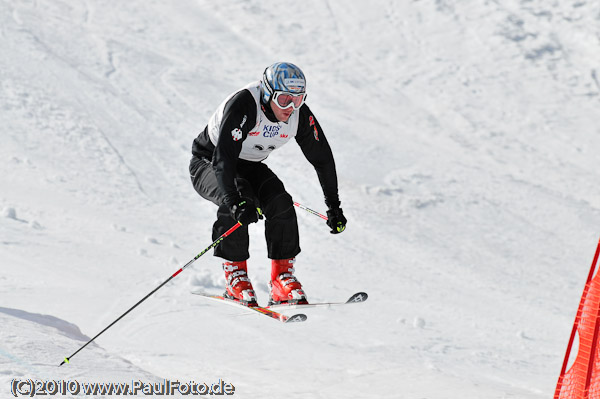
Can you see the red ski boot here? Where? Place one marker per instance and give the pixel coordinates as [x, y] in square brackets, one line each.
[238, 284]
[285, 287]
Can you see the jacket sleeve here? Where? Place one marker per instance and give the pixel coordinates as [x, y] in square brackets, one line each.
[239, 116]
[316, 149]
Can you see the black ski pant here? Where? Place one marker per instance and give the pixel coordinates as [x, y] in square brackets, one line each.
[254, 180]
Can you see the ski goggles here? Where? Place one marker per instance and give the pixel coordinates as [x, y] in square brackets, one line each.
[285, 100]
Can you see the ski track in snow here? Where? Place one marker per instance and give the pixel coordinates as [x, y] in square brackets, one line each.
[465, 137]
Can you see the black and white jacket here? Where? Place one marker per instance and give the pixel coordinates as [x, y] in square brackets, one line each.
[244, 128]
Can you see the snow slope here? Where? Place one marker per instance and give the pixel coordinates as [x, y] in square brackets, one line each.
[466, 138]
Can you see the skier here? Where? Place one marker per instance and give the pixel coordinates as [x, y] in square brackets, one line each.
[227, 169]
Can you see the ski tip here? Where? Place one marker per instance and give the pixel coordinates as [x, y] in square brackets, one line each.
[358, 297]
[296, 318]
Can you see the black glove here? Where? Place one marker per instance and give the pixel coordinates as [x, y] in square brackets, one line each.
[336, 220]
[244, 211]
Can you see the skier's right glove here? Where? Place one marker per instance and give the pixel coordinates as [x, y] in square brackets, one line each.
[336, 220]
[244, 211]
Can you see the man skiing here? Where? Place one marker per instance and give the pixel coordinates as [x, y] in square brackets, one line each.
[227, 169]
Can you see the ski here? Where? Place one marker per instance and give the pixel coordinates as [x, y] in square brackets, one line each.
[356, 298]
[258, 309]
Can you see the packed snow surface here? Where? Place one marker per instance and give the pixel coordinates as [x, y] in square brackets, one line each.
[466, 138]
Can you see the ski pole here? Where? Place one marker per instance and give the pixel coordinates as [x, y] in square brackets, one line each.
[310, 211]
[214, 244]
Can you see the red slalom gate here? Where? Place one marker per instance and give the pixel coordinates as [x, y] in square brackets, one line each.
[582, 380]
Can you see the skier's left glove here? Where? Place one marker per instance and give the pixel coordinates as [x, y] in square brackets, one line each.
[336, 220]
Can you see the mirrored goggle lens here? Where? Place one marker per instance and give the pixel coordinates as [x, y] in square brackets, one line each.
[285, 100]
